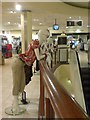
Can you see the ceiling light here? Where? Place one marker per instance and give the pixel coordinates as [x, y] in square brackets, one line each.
[18, 7]
[8, 22]
[69, 81]
[88, 25]
[35, 19]
[70, 17]
[19, 25]
[12, 11]
[40, 23]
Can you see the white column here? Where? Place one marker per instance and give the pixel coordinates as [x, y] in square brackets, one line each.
[26, 29]
[0, 63]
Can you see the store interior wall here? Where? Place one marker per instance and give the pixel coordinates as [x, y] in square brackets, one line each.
[16, 33]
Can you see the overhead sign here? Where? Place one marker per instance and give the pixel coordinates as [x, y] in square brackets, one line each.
[74, 22]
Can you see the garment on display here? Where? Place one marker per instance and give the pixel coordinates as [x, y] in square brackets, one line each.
[8, 52]
[37, 65]
[28, 73]
[16, 45]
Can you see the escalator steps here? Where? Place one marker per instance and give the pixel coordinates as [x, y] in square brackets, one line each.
[85, 77]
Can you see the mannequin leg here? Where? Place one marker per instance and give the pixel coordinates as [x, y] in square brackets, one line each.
[18, 82]
[18, 87]
[15, 106]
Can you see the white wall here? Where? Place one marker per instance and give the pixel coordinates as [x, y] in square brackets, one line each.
[16, 33]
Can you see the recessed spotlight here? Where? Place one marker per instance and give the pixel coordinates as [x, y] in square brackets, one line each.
[19, 25]
[69, 81]
[88, 25]
[8, 22]
[18, 7]
[70, 17]
[35, 19]
[12, 11]
[40, 23]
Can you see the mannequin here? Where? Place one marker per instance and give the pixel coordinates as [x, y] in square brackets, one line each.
[50, 50]
[19, 62]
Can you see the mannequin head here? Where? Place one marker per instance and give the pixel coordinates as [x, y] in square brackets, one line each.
[43, 35]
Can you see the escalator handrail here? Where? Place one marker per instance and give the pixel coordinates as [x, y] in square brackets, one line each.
[63, 104]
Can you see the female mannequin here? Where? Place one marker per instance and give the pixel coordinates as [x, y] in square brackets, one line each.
[18, 66]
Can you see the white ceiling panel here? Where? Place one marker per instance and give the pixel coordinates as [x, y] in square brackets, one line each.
[44, 13]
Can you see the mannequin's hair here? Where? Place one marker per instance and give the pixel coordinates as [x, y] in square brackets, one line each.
[43, 34]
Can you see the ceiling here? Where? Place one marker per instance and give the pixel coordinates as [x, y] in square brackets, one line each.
[79, 4]
[44, 14]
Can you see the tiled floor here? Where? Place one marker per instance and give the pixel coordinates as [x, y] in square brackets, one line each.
[32, 90]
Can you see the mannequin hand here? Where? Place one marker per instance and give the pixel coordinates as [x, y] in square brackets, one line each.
[45, 56]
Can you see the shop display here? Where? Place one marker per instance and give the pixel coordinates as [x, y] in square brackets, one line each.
[62, 40]
[18, 69]
[16, 45]
[6, 47]
[8, 51]
[62, 47]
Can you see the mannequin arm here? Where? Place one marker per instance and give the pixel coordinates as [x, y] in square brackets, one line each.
[22, 56]
[39, 57]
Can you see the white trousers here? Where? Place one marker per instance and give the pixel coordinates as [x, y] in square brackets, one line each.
[18, 76]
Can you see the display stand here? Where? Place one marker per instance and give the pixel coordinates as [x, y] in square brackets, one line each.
[18, 110]
[21, 101]
[63, 48]
[63, 53]
[9, 111]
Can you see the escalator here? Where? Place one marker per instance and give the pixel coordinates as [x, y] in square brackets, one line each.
[85, 79]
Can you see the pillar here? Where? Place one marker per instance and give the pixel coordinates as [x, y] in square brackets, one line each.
[26, 28]
[0, 32]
